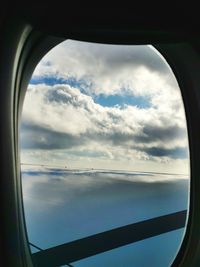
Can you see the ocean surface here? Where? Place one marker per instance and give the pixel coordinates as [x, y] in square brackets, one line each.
[63, 205]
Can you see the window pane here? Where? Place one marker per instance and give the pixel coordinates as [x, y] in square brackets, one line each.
[103, 144]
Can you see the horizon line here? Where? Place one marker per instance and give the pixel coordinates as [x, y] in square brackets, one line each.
[66, 168]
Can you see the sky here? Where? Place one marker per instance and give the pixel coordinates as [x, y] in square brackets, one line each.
[104, 107]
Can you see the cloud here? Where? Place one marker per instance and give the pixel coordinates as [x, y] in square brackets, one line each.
[175, 153]
[151, 133]
[108, 69]
[65, 118]
[37, 137]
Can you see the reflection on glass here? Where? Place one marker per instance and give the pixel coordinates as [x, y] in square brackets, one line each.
[103, 145]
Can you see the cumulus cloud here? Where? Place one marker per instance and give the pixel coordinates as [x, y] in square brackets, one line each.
[72, 119]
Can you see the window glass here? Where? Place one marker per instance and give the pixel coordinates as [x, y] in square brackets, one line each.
[104, 145]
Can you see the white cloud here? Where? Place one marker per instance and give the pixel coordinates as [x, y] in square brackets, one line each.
[65, 109]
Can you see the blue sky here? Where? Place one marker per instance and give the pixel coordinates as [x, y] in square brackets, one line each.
[122, 100]
[51, 80]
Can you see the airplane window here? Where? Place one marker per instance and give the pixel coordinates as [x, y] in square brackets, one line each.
[104, 157]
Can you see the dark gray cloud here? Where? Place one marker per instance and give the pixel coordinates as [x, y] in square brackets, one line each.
[112, 138]
[36, 137]
[149, 134]
[175, 153]
[139, 56]
[152, 133]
